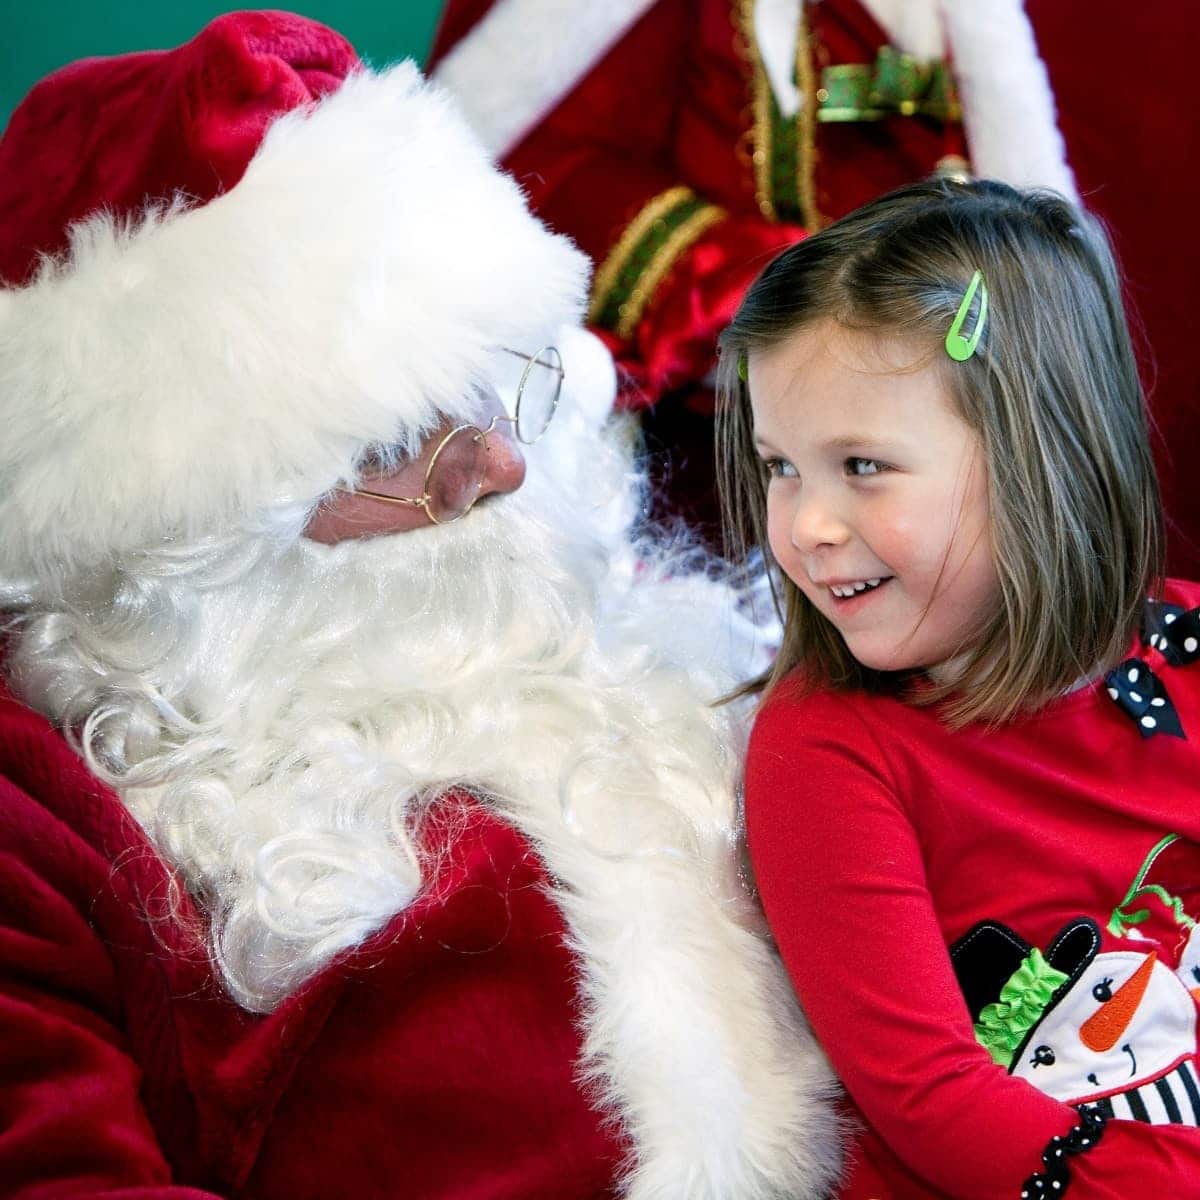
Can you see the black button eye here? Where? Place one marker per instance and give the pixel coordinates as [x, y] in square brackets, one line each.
[1043, 1056]
[1103, 991]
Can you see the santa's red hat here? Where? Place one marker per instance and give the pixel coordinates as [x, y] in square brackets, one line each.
[228, 266]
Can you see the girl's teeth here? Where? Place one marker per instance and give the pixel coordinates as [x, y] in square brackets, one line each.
[850, 589]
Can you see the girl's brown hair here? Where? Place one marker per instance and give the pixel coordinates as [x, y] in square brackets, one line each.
[1052, 392]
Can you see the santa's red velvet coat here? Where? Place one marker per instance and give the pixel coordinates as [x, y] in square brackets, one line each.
[438, 1060]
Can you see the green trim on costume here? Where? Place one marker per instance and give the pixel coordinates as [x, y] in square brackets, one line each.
[1004, 1024]
[845, 94]
[785, 166]
[611, 306]
[896, 84]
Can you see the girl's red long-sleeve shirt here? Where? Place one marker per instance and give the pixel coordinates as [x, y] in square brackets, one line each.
[879, 839]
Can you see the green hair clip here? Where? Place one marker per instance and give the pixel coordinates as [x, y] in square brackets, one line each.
[743, 368]
[958, 347]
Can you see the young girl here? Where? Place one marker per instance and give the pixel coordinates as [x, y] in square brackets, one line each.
[972, 794]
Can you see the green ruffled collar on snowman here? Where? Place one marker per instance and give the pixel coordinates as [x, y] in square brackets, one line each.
[1004, 1024]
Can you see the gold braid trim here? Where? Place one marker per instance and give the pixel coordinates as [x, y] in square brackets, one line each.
[618, 257]
[661, 263]
[806, 128]
[760, 88]
[662, 229]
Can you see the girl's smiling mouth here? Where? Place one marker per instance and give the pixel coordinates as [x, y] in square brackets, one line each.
[852, 593]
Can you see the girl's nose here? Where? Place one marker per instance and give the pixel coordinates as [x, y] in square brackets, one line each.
[815, 524]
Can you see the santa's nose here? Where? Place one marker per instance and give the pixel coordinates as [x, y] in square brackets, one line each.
[504, 470]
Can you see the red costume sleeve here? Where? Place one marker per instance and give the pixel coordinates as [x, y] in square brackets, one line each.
[842, 879]
[71, 1120]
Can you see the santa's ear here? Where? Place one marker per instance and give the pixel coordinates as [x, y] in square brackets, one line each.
[590, 377]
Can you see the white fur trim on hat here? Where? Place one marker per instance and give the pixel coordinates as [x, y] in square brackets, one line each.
[179, 373]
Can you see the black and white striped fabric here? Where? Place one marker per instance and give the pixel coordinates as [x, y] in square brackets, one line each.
[1173, 1099]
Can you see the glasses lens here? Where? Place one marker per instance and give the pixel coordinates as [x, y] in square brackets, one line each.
[456, 474]
[538, 397]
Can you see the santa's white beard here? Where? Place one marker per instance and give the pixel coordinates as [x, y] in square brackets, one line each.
[279, 718]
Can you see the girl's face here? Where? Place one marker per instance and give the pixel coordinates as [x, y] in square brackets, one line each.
[877, 506]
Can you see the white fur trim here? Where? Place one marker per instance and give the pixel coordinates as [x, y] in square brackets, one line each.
[177, 374]
[914, 26]
[1008, 106]
[524, 56]
[776, 28]
[591, 379]
[693, 1033]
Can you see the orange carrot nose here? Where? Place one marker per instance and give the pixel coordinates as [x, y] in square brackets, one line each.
[1102, 1029]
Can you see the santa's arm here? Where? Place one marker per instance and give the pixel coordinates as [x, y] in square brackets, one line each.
[71, 1119]
[841, 877]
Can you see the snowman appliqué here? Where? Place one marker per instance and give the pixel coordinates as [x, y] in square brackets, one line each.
[1116, 1030]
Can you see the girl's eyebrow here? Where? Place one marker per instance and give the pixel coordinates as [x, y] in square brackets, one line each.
[848, 441]
[841, 441]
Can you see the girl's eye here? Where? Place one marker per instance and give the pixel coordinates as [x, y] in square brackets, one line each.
[863, 466]
[779, 468]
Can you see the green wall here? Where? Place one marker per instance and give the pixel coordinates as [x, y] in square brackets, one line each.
[40, 37]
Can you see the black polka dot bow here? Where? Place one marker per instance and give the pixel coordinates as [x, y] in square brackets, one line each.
[1140, 694]
[1174, 632]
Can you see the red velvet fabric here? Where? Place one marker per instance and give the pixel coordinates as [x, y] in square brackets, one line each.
[879, 838]
[438, 1060]
[119, 133]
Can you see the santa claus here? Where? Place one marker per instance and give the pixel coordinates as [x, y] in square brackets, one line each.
[367, 827]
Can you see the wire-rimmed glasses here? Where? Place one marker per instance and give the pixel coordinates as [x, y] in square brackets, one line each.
[457, 468]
